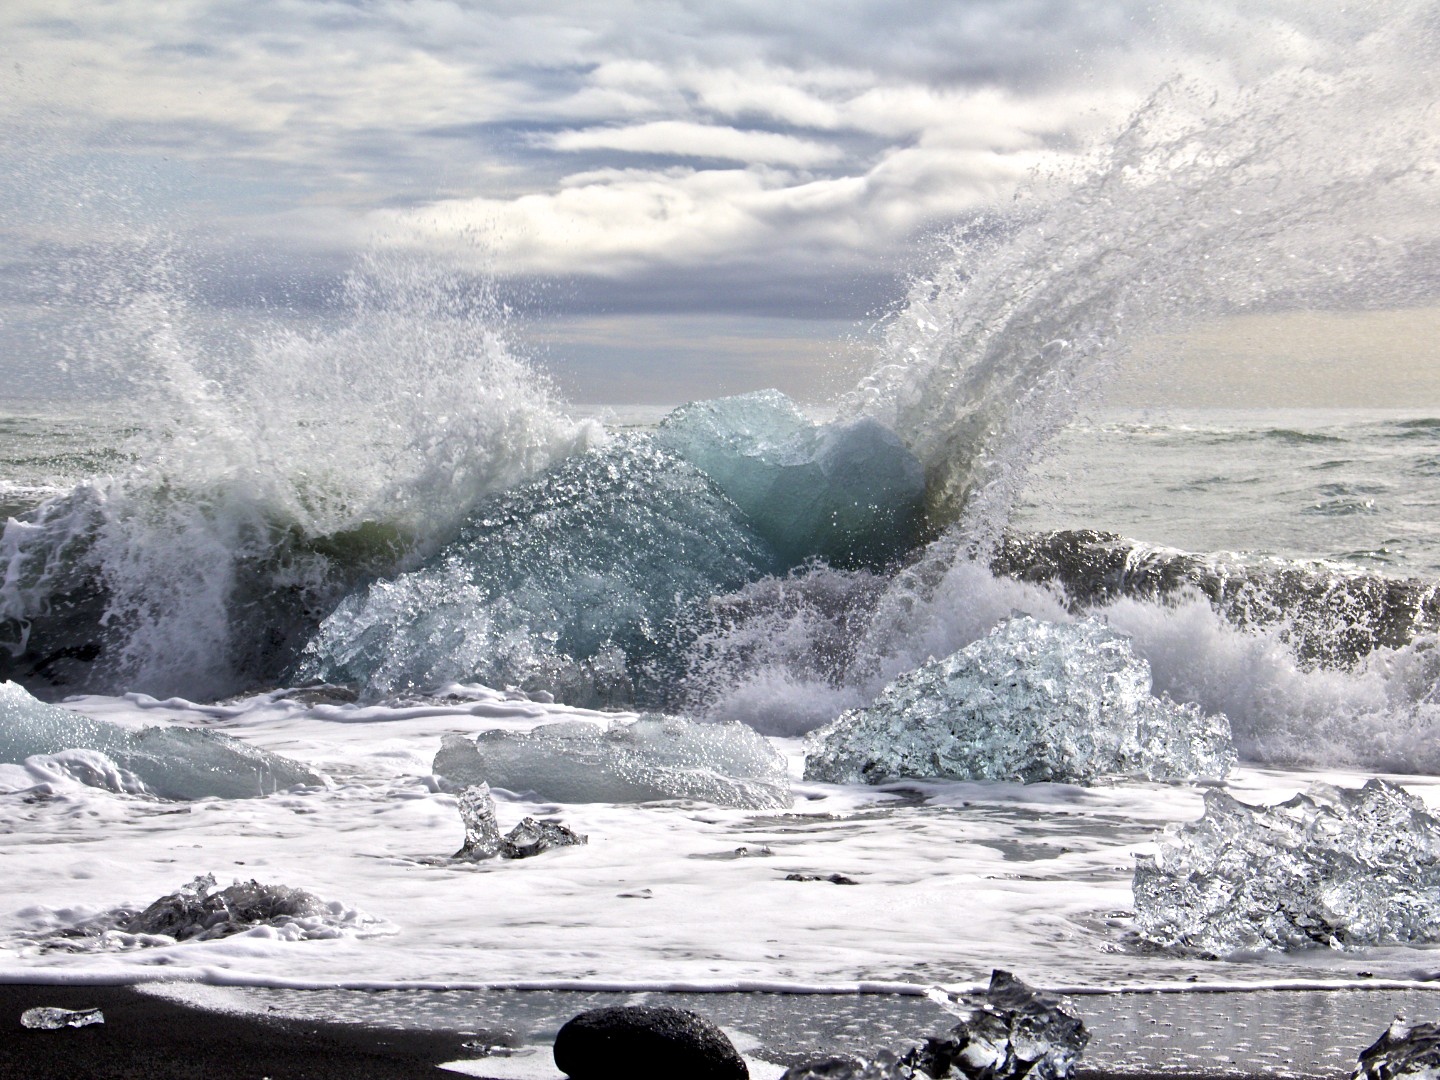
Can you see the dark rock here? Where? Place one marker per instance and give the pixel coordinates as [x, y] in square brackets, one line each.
[834, 879]
[1404, 1050]
[646, 1042]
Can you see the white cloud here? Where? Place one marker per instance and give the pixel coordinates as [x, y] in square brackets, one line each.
[679, 138]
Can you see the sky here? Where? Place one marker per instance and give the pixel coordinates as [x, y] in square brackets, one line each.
[675, 199]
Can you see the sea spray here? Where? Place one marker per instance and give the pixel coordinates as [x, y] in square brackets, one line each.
[270, 476]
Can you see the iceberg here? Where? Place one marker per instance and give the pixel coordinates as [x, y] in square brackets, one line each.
[168, 762]
[846, 492]
[643, 760]
[1334, 867]
[1033, 701]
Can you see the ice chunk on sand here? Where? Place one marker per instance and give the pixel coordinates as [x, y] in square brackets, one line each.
[171, 762]
[1405, 1050]
[47, 1018]
[1033, 701]
[482, 832]
[1009, 1031]
[653, 757]
[848, 492]
[1332, 866]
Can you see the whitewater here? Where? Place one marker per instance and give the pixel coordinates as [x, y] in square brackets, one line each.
[348, 545]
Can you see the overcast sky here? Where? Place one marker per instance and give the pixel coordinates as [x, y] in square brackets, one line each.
[685, 198]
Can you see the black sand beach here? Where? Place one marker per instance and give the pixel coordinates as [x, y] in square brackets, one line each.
[150, 1038]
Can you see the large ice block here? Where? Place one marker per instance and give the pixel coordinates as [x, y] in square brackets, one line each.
[1404, 1051]
[202, 911]
[169, 762]
[1033, 701]
[847, 492]
[1331, 867]
[651, 758]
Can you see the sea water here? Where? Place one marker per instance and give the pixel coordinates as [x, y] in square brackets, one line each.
[347, 543]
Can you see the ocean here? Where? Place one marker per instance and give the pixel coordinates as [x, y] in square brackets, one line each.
[269, 609]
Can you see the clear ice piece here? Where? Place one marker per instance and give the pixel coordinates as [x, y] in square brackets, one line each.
[848, 491]
[1336, 867]
[170, 762]
[531, 837]
[1009, 1031]
[642, 760]
[1404, 1050]
[482, 831]
[47, 1018]
[201, 911]
[1033, 701]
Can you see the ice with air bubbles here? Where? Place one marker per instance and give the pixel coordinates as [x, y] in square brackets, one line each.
[1033, 701]
[1332, 867]
[642, 760]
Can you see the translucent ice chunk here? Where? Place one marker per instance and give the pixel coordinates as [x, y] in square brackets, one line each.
[531, 837]
[1405, 1050]
[200, 910]
[1332, 866]
[171, 762]
[1009, 1031]
[46, 1018]
[482, 832]
[850, 493]
[1033, 701]
[654, 757]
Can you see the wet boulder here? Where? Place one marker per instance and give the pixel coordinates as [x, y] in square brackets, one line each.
[646, 1042]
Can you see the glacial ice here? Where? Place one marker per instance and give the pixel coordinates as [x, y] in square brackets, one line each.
[1033, 701]
[1009, 1031]
[168, 762]
[579, 583]
[202, 911]
[847, 492]
[49, 1018]
[1404, 1050]
[1335, 867]
[651, 758]
[482, 831]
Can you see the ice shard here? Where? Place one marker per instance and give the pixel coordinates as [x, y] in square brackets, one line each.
[1009, 1031]
[642, 760]
[48, 1018]
[1034, 701]
[169, 762]
[1404, 1050]
[482, 832]
[532, 837]
[1331, 867]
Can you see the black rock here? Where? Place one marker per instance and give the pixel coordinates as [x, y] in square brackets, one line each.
[646, 1042]
[1404, 1050]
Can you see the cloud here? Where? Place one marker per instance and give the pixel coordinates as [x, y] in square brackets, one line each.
[678, 138]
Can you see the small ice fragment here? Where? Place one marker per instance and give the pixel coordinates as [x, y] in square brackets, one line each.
[650, 758]
[482, 832]
[201, 911]
[1404, 1050]
[1334, 867]
[46, 1018]
[531, 837]
[1033, 701]
[1009, 1031]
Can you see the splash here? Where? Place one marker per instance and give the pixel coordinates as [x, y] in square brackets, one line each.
[273, 469]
